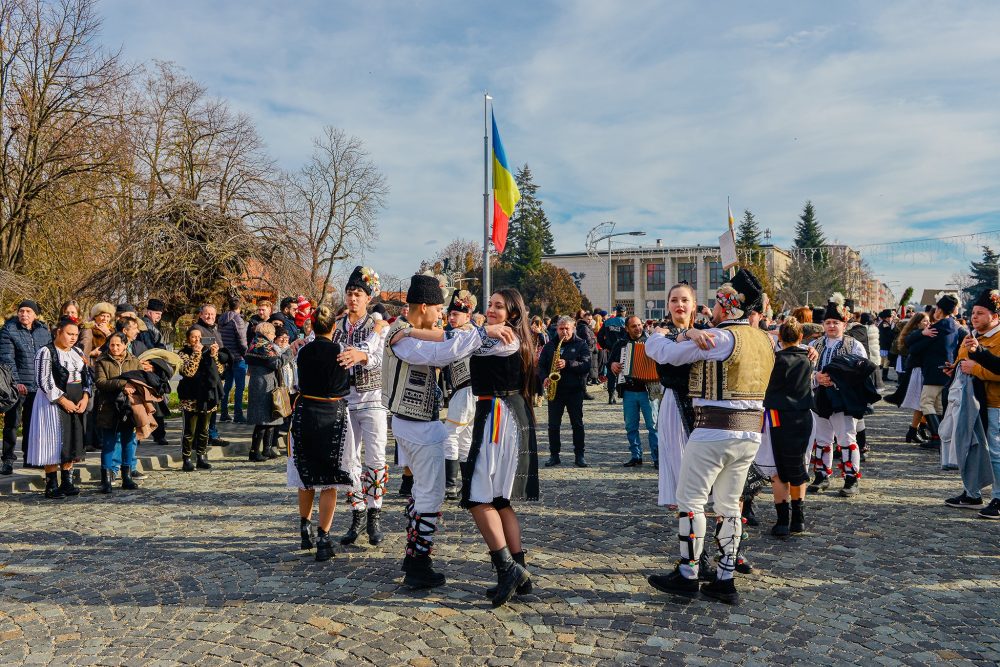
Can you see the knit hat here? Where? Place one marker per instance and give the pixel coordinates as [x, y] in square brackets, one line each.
[740, 295]
[425, 289]
[365, 279]
[102, 307]
[156, 306]
[835, 309]
[462, 301]
[29, 303]
[990, 300]
[948, 304]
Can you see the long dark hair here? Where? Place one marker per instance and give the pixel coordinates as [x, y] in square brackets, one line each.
[517, 319]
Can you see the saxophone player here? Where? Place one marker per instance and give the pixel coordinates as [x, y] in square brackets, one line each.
[570, 372]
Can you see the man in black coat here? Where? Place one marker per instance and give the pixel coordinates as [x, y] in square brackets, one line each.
[573, 366]
[585, 332]
[210, 336]
[20, 339]
[886, 334]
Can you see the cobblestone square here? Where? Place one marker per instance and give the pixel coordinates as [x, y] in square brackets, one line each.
[202, 568]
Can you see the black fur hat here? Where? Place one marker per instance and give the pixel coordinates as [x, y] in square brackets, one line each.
[835, 309]
[989, 299]
[425, 289]
[948, 304]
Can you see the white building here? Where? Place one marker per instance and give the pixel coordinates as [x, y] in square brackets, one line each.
[642, 275]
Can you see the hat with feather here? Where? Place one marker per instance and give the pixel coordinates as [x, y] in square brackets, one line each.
[835, 308]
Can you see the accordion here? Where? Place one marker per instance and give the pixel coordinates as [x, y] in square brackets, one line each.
[637, 365]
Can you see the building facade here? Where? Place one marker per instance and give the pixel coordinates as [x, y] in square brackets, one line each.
[641, 276]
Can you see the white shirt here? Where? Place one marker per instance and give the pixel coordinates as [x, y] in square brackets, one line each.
[439, 354]
[662, 350]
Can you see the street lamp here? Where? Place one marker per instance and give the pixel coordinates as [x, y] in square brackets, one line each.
[609, 237]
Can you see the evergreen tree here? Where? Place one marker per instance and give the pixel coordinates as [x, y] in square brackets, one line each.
[530, 233]
[748, 234]
[809, 234]
[983, 274]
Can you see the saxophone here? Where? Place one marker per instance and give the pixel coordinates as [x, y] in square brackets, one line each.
[554, 374]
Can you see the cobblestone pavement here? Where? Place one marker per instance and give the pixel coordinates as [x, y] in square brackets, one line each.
[203, 568]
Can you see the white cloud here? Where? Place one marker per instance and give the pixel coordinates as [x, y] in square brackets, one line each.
[645, 113]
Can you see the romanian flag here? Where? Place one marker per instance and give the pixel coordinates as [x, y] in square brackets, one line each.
[505, 193]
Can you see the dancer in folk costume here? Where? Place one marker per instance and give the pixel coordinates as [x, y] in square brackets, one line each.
[832, 422]
[503, 460]
[321, 440]
[731, 365]
[462, 402]
[363, 337]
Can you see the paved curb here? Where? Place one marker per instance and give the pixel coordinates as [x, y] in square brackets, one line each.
[148, 457]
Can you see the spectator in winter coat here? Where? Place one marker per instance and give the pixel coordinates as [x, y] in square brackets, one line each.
[118, 440]
[574, 367]
[152, 337]
[20, 339]
[289, 307]
[233, 330]
[937, 347]
[210, 336]
[585, 333]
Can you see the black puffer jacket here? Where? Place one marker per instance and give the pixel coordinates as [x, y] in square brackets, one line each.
[18, 347]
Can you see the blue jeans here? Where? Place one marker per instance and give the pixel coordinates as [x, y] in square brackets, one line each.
[235, 376]
[634, 402]
[993, 444]
[117, 448]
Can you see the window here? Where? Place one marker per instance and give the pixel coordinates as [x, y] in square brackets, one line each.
[626, 278]
[716, 276]
[656, 309]
[688, 272]
[656, 277]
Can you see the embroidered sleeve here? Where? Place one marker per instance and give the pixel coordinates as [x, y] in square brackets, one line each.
[43, 376]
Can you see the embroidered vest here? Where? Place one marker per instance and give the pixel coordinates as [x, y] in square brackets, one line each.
[741, 377]
[460, 372]
[408, 391]
[362, 379]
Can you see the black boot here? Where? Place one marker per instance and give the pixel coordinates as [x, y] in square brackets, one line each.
[885, 373]
[913, 436]
[743, 564]
[271, 451]
[933, 422]
[187, 466]
[308, 533]
[255, 441]
[923, 432]
[451, 479]
[798, 522]
[510, 575]
[52, 488]
[203, 463]
[324, 546]
[420, 572]
[782, 527]
[723, 590]
[67, 486]
[748, 513]
[406, 485]
[374, 526]
[820, 483]
[127, 482]
[707, 570]
[863, 444]
[105, 480]
[358, 525]
[674, 583]
[524, 588]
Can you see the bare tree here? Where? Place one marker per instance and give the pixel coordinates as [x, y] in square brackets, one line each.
[57, 109]
[331, 206]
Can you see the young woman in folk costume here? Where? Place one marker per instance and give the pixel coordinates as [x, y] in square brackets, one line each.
[503, 460]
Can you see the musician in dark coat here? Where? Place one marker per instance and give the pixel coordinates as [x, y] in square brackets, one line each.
[574, 366]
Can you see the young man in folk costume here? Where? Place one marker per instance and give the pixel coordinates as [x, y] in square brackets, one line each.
[411, 393]
[363, 336]
[731, 365]
[462, 402]
[834, 418]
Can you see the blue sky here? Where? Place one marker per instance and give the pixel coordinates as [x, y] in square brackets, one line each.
[885, 115]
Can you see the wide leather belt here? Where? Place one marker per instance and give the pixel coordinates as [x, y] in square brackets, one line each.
[724, 419]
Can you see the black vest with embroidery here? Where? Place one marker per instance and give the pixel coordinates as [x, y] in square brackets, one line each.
[674, 377]
[492, 376]
[362, 379]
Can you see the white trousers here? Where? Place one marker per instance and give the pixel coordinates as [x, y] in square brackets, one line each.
[845, 429]
[370, 429]
[461, 415]
[427, 464]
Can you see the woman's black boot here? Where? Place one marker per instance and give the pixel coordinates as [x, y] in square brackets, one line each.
[308, 532]
[798, 522]
[67, 486]
[127, 481]
[524, 588]
[782, 527]
[324, 546]
[913, 436]
[510, 575]
[255, 440]
[52, 489]
[105, 480]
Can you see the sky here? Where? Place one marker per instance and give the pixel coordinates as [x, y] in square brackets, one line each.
[648, 114]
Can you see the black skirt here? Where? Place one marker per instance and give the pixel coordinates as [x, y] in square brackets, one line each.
[319, 432]
[72, 425]
[526, 478]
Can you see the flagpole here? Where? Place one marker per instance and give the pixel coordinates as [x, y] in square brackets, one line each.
[486, 200]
